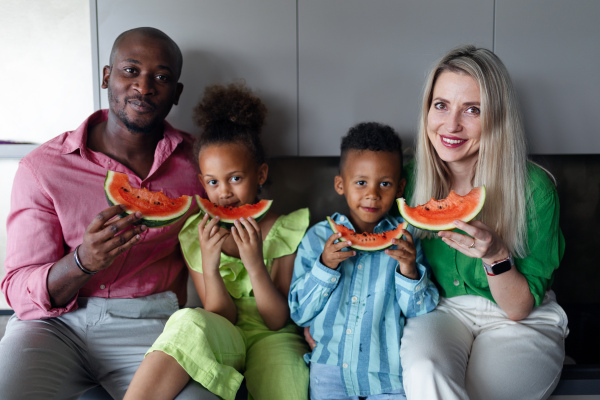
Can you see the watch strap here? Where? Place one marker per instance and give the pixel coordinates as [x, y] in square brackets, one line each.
[498, 267]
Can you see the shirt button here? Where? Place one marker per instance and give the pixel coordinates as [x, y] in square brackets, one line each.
[102, 287]
[354, 299]
[348, 331]
[325, 294]
[418, 287]
[333, 279]
[345, 365]
[456, 282]
[342, 218]
[419, 302]
[359, 266]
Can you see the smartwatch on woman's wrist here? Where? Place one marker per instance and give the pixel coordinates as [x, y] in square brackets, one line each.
[498, 267]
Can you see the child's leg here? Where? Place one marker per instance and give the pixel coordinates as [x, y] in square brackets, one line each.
[159, 377]
[275, 368]
[197, 344]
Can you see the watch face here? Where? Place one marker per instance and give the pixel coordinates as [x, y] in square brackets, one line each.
[501, 267]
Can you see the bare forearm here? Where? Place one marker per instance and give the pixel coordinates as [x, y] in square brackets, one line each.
[512, 294]
[64, 281]
[217, 298]
[272, 304]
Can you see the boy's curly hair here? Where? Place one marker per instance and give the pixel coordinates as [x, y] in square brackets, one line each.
[372, 136]
[230, 114]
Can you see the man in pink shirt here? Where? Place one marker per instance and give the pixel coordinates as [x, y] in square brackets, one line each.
[92, 292]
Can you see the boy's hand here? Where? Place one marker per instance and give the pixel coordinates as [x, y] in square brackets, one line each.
[406, 255]
[211, 243]
[332, 255]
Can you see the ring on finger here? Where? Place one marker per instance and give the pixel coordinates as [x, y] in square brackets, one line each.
[472, 246]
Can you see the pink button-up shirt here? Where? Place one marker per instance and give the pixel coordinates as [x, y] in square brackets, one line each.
[57, 192]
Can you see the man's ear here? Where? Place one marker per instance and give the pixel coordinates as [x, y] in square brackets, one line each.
[178, 92]
[401, 186]
[263, 172]
[338, 184]
[105, 76]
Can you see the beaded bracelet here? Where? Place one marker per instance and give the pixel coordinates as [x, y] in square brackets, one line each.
[81, 267]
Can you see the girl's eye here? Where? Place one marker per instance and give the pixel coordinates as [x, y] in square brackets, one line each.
[473, 110]
[212, 182]
[235, 179]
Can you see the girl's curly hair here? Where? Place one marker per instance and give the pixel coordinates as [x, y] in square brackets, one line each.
[231, 114]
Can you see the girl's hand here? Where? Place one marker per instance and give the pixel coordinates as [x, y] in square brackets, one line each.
[248, 237]
[332, 255]
[309, 339]
[406, 255]
[211, 243]
[483, 241]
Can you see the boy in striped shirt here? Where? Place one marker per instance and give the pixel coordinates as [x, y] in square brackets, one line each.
[356, 302]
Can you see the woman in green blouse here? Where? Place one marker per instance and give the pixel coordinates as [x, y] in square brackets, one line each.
[498, 332]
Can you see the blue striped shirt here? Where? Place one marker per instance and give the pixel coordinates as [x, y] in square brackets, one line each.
[356, 312]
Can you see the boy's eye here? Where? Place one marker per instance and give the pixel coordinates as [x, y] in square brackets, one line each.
[361, 183]
[385, 184]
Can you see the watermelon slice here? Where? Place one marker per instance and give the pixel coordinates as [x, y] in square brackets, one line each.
[367, 241]
[438, 215]
[157, 209]
[228, 215]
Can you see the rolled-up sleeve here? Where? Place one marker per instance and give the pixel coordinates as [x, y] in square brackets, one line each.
[32, 225]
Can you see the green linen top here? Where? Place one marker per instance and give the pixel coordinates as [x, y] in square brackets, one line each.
[283, 239]
[457, 274]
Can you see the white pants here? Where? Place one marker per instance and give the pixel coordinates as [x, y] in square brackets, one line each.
[468, 349]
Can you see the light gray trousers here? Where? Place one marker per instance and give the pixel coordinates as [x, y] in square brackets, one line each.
[101, 343]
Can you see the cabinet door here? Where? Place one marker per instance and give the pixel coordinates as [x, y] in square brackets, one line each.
[221, 40]
[551, 51]
[367, 61]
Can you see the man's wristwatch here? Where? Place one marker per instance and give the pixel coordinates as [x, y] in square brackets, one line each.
[498, 267]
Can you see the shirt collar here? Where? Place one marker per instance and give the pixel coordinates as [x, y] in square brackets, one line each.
[387, 223]
[77, 139]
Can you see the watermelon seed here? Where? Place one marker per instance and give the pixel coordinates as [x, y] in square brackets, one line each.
[427, 208]
[125, 190]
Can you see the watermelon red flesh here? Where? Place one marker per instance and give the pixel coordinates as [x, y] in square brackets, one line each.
[439, 215]
[367, 241]
[227, 215]
[157, 209]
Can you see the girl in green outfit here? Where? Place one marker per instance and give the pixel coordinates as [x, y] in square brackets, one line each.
[242, 275]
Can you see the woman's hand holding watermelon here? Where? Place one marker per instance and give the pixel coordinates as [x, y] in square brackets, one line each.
[483, 241]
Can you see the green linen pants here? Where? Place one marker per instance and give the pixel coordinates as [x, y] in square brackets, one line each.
[216, 353]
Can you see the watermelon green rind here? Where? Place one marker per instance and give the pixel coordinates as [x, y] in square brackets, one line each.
[149, 221]
[471, 204]
[348, 233]
[227, 215]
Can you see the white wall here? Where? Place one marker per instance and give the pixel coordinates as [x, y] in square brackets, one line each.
[46, 76]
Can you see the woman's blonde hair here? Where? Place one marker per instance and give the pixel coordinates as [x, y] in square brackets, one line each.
[502, 160]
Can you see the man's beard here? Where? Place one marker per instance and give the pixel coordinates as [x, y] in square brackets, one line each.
[130, 125]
